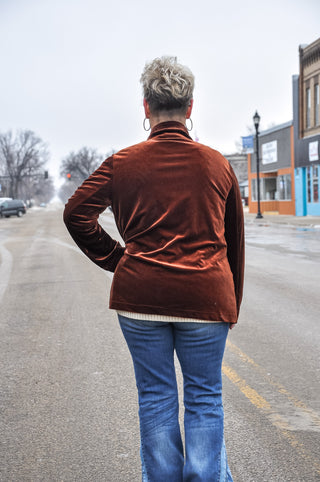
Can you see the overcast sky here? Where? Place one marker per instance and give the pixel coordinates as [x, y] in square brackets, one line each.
[70, 69]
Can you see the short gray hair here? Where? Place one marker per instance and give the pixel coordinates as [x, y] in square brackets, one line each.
[167, 85]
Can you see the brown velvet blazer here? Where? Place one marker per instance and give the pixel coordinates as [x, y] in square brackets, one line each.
[178, 209]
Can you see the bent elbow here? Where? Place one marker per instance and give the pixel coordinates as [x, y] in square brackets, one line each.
[68, 215]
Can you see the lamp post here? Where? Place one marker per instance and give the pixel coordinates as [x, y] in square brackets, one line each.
[256, 121]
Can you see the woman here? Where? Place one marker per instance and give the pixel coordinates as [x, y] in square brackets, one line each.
[178, 281]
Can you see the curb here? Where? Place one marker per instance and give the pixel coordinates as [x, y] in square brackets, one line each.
[311, 222]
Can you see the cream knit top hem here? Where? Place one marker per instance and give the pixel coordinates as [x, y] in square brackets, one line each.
[164, 318]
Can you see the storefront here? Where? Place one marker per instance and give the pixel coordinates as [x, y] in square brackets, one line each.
[276, 155]
[307, 157]
[306, 121]
[307, 175]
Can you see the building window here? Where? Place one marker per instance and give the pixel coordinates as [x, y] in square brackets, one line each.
[315, 183]
[254, 195]
[268, 189]
[284, 187]
[313, 173]
[316, 104]
[308, 107]
[309, 184]
[273, 188]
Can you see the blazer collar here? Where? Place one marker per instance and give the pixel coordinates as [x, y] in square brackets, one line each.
[169, 126]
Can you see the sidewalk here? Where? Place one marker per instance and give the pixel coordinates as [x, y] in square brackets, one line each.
[303, 221]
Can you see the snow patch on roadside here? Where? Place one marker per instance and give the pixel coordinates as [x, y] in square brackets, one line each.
[5, 269]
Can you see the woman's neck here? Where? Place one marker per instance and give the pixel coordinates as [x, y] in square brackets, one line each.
[165, 117]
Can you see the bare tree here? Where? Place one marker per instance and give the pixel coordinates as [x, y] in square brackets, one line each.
[21, 157]
[79, 165]
[37, 190]
[66, 190]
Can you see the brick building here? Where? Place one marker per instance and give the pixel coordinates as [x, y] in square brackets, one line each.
[306, 117]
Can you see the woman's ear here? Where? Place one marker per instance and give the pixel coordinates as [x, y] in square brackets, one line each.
[188, 114]
[146, 108]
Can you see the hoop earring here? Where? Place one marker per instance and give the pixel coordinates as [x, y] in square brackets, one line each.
[191, 124]
[144, 124]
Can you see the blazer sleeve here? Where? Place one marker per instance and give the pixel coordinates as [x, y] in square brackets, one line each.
[234, 235]
[81, 215]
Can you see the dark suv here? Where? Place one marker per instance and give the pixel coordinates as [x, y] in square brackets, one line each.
[13, 207]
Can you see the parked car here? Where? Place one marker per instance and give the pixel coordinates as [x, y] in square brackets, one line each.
[3, 199]
[12, 207]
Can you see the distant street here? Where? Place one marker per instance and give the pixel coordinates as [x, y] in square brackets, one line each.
[68, 399]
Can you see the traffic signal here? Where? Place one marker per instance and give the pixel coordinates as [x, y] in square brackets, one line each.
[69, 176]
[46, 174]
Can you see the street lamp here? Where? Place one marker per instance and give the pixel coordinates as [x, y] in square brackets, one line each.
[256, 121]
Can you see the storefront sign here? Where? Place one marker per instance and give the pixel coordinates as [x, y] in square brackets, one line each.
[269, 152]
[313, 151]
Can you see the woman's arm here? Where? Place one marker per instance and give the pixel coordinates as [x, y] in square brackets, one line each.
[81, 218]
[234, 235]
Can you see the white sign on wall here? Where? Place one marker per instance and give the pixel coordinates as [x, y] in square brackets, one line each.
[313, 151]
[269, 152]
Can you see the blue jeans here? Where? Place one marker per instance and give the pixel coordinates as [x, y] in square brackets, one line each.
[199, 348]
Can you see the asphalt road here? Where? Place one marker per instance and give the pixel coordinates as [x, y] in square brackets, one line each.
[68, 399]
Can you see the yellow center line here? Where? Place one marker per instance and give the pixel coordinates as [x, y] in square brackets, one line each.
[249, 392]
[280, 388]
[261, 403]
